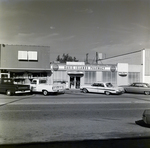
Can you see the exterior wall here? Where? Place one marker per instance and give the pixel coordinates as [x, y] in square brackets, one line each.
[99, 76]
[139, 64]
[146, 67]
[9, 57]
[122, 74]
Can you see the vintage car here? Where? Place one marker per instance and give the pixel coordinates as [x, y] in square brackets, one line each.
[146, 116]
[102, 87]
[8, 87]
[137, 87]
[42, 86]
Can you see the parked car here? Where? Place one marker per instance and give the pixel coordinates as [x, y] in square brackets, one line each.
[102, 87]
[64, 83]
[137, 87]
[146, 116]
[41, 85]
[8, 87]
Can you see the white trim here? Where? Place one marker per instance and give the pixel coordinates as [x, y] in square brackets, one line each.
[143, 73]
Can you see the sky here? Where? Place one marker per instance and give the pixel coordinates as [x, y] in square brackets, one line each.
[77, 27]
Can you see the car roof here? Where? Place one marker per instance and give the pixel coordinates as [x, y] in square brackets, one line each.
[102, 82]
[139, 83]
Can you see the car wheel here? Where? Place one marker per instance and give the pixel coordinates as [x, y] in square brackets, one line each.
[8, 93]
[107, 92]
[45, 92]
[146, 92]
[84, 90]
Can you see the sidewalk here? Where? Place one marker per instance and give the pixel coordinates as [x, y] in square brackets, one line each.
[70, 91]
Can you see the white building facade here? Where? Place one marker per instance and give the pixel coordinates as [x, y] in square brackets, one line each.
[119, 70]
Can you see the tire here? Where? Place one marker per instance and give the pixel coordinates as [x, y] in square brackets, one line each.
[45, 92]
[8, 93]
[84, 90]
[107, 92]
[146, 92]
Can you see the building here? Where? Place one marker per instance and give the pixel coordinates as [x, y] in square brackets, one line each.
[119, 70]
[24, 62]
[137, 66]
[79, 73]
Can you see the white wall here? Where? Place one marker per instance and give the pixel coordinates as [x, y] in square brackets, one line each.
[147, 79]
[99, 76]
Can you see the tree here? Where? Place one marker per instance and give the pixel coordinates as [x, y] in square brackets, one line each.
[66, 58]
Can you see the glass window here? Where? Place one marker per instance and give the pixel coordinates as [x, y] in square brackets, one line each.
[133, 77]
[42, 81]
[34, 82]
[109, 85]
[101, 85]
[90, 77]
[95, 84]
[109, 76]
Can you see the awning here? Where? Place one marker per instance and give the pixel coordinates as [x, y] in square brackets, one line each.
[75, 72]
[27, 70]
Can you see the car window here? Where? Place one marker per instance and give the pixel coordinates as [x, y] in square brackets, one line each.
[109, 85]
[42, 81]
[33, 82]
[132, 84]
[100, 85]
[145, 85]
[137, 85]
[95, 84]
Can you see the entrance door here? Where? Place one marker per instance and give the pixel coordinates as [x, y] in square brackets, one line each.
[74, 82]
[77, 82]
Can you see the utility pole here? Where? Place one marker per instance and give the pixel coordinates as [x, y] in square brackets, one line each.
[87, 58]
[96, 57]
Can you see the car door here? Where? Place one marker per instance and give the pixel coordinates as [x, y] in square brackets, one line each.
[133, 88]
[93, 88]
[34, 85]
[143, 88]
[101, 88]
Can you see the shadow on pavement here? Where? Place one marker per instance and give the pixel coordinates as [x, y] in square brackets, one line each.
[110, 143]
[141, 123]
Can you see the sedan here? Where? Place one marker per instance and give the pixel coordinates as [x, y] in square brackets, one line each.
[137, 88]
[102, 87]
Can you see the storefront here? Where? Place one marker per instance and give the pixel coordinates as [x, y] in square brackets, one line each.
[123, 70]
[76, 74]
[24, 62]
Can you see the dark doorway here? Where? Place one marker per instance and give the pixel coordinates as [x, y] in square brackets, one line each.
[77, 82]
[74, 82]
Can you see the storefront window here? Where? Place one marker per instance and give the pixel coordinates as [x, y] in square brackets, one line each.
[90, 77]
[60, 75]
[133, 77]
[110, 77]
